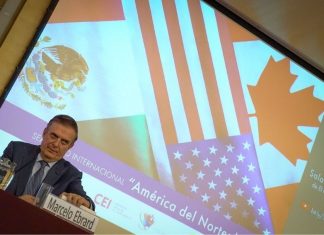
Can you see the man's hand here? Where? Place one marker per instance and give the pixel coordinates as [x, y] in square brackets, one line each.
[76, 199]
[28, 198]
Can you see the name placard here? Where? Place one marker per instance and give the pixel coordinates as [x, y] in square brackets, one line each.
[70, 212]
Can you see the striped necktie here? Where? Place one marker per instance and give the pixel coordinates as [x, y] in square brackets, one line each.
[36, 179]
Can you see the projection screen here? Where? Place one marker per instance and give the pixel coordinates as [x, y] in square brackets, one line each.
[188, 123]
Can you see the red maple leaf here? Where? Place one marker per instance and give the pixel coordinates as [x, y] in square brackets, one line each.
[280, 112]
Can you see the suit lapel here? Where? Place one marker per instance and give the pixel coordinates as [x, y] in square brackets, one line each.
[55, 172]
[26, 169]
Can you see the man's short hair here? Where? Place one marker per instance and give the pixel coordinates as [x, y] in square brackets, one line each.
[65, 120]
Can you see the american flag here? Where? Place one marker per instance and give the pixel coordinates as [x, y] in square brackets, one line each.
[223, 174]
[201, 108]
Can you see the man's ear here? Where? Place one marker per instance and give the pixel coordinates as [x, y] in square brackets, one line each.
[72, 144]
[44, 132]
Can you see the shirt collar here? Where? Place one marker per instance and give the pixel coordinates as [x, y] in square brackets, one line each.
[39, 158]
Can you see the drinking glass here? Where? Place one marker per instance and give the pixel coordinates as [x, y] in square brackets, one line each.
[42, 193]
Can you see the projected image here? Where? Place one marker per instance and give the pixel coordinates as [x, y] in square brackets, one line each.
[185, 117]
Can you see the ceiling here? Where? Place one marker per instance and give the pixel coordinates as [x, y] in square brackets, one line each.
[296, 24]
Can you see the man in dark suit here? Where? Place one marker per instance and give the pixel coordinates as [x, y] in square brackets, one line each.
[59, 136]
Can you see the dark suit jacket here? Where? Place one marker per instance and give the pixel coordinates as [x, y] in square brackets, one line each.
[63, 176]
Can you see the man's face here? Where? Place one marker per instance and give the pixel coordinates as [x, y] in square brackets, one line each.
[57, 140]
